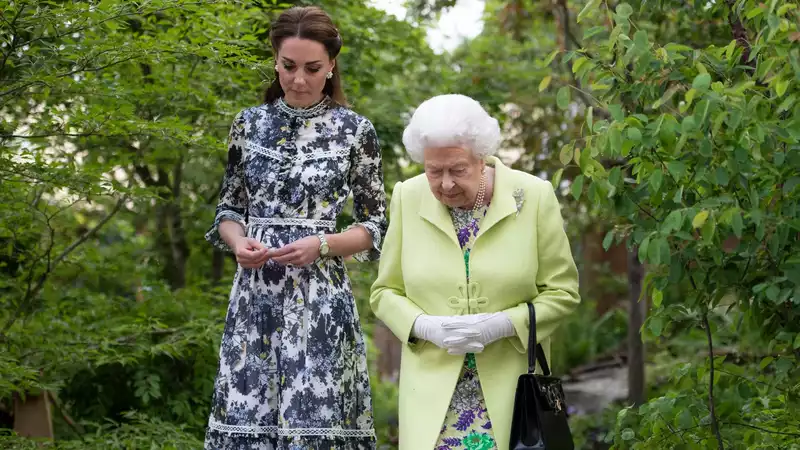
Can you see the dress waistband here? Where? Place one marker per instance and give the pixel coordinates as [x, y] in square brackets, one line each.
[291, 222]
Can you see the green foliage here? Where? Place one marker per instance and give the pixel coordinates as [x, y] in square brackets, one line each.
[113, 120]
[696, 152]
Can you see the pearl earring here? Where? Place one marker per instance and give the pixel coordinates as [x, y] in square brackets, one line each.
[276, 67]
[329, 75]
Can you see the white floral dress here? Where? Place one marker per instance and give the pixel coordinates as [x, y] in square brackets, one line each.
[293, 366]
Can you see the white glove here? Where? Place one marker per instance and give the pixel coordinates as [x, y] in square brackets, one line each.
[491, 327]
[432, 329]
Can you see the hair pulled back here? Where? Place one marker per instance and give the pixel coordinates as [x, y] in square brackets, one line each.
[312, 23]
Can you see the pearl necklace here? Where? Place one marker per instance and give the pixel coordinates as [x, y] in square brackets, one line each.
[481, 194]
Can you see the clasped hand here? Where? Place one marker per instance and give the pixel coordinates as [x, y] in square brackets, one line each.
[252, 254]
[463, 334]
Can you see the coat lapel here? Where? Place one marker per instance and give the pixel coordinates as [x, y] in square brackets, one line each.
[437, 214]
[503, 203]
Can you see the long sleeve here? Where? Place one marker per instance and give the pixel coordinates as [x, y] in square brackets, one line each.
[388, 297]
[369, 197]
[556, 279]
[232, 203]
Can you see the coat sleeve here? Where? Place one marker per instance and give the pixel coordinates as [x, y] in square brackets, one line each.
[233, 201]
[369, 197]
[556, 279]
[388, 297]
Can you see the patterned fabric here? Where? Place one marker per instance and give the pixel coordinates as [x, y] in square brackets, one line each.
[467, 425]
[293, 366]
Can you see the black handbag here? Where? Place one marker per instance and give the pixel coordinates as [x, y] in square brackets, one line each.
[540, 412]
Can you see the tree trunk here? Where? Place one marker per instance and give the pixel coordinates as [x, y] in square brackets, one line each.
[217, 265]
[32, 416]
[636, 313]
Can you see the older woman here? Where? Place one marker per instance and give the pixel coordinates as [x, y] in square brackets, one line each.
[470, 243]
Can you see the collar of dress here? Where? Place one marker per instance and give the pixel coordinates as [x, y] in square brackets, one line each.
[315, 110]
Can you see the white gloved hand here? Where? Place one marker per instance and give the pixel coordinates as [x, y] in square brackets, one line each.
[432, 329]
[491, 327]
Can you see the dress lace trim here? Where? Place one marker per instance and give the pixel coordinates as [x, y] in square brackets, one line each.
[296, 159]
[291, 432]
[306, 113]
[292, 221]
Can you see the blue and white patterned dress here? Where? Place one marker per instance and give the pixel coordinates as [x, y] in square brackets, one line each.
[293, 365]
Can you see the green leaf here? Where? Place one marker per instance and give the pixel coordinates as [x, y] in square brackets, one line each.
[627, 434]
[774, 22]
[796, 344]
[615, 139]
[551, 57]
[673, 221]
[702, 82]
[765, 362]
[608, 240]
[688, 125]
[658, 297]
[656, 178]
[634, 134]
[736, 224]
[588, 9]
[656, 323]
[556, 181]
[700, 219]
[577, 187]
[616, 112]
[781, 86]
[677, 169]
[624, 10]
[544, 83]
[786, 8]
[594, 31]
[565, 155]
[754, 13]
[590, 118]
[708, 229]
[643, 249]
[730, 49]
[666, 97]
[772, 292]
[722, 176]
[790, 184]
[640, 40]
[563, 97]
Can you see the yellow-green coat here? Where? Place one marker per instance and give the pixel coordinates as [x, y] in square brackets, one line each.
[520, 255]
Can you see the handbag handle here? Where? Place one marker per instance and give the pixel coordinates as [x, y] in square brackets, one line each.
[535, 350]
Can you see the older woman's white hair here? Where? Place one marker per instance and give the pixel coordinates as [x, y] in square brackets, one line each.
[451, 120]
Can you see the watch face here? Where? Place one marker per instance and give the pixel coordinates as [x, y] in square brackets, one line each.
[324, 249]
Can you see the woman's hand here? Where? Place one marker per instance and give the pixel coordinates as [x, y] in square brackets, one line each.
[250, 253]
[299, 253]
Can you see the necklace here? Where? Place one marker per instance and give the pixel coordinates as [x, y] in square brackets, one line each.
[480, 196]
[473, 233]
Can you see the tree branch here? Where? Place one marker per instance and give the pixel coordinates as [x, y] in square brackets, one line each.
[563, 17]
[33, 291]
[714, 420]
[76, 427]
[740, 34]
[14, 38]
[783, 433]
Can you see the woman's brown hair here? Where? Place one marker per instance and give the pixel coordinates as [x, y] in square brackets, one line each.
[312, 23]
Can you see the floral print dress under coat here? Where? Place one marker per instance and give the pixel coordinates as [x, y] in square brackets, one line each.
[293, 366]
[467, 425]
